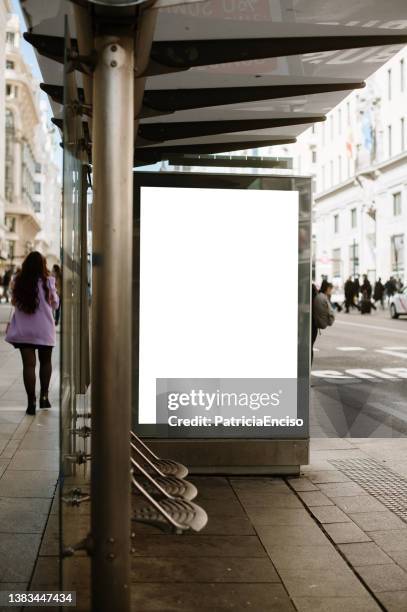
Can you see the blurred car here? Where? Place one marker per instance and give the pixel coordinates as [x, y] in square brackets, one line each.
[398, 304]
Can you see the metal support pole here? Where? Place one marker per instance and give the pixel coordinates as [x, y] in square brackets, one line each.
[113, 107]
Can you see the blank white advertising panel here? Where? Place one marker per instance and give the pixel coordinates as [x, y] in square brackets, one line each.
[218, 308]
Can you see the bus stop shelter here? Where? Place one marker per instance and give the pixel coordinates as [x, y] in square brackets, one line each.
[134, 83]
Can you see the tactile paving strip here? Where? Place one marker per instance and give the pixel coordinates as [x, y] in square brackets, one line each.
[386, 486]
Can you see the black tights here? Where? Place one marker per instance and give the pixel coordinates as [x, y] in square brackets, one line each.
[29, 362]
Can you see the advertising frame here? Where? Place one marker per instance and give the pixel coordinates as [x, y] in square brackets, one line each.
[286, 449]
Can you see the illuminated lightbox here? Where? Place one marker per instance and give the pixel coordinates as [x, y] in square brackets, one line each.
[218, 311]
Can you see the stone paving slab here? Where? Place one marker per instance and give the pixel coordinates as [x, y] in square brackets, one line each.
[384, 577]
[336, 604]
[203, 597]
[395, 601]
[329, 514]
[345, 533]
[210, 569]
[364, 553]
[321, 583]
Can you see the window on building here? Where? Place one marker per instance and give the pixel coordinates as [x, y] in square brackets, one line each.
[397, 204]
[397, 254]
[336, 262]
[402, 135]
[389, 141]
[9, 65]
[314, 156]
[27, 174]
[37, 168]
[37, 188]
[10, 223]
[336, 223]
[402, 74]
[353, 218]
[313, 129]
[15, 91]
[37, 206]
[339, 121]
[9, 156]
[354, 258]
[10, 249]
[8, 90]
[389, 84]
[10, 38]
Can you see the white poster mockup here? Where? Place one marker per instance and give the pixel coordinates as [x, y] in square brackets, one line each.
[218, 299]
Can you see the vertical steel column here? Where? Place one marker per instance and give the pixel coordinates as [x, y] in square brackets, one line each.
[113, 92]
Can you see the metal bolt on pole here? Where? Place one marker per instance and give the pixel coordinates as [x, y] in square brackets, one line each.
[113, 120]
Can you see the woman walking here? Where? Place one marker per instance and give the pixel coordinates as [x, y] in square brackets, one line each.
[32, 326]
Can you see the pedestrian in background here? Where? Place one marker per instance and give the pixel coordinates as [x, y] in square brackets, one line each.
[32, 327]
[56, 273]
[356, 287]
[390, 287]
[314, 326]
[366, 303]
[350, 293]
[322, 312]
[378, 293]
[366, 287]
[6, 282]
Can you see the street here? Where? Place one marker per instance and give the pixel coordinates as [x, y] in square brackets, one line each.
[359, 377]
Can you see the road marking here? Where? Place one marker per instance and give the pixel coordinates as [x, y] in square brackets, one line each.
[367, 373]
[379, 327]
[392, 353]
[395, 348]
[329, 374]
[350, 348]
[400, 372]
[363, 374]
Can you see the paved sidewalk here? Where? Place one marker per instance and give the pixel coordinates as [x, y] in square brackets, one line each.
[318, 543]
[28, 470]
[333, 540]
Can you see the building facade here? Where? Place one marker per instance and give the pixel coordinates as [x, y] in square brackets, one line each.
[47, 201]
[5, 8]
[31, 178]
[358, 158]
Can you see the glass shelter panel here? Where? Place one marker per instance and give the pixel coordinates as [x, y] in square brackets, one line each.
[74, 332]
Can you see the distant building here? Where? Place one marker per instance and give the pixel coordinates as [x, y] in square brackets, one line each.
[5, 8]
[48, 195]
[358, 158]
[32, 187]
[22, 119]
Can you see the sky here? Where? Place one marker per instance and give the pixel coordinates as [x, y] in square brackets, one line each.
[26, 48]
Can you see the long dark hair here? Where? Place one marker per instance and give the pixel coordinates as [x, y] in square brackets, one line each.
[25, 287]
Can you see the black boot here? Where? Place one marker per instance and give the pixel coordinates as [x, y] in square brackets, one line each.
[31, 407]
[44, 401]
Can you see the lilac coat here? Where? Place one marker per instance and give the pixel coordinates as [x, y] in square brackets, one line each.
[39, 327]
